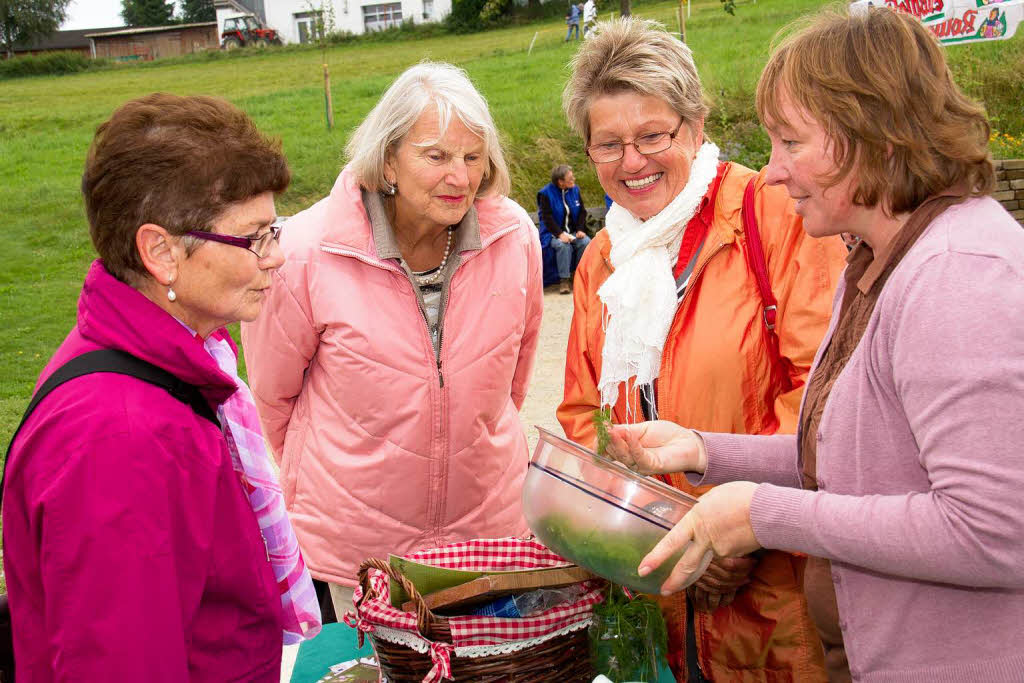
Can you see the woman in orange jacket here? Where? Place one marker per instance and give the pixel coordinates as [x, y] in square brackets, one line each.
[679, 315]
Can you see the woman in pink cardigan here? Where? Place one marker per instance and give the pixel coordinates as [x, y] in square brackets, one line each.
[400, 336]
[903, 483]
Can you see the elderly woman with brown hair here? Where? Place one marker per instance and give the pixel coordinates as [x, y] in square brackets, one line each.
[904, 480]
[701, 303]
[144, 532]
[400, 338]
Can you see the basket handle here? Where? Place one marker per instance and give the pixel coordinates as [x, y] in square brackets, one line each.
[424, 617]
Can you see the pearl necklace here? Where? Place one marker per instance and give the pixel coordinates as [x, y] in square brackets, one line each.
[432, 278]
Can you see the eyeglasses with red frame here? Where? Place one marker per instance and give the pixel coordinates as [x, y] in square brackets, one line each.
[258, 245]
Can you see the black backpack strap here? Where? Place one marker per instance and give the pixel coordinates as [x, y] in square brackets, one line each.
[104, 360]
[122, 363]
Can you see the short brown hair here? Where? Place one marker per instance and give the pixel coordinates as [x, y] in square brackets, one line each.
[632, 55]
[877, 82]
[177, 162]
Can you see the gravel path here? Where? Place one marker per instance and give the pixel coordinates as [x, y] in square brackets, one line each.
[546, 387]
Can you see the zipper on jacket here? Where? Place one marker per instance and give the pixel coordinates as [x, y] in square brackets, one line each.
[440, 321]
[442, 312]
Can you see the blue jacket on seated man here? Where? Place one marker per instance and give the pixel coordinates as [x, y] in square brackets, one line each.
[562, 223]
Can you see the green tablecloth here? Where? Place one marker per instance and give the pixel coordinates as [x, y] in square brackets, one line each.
[337, 643]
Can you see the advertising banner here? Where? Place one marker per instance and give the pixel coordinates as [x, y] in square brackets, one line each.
[960, 21]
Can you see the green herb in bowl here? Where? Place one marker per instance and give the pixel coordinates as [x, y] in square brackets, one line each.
[603, 423]
[609, 554]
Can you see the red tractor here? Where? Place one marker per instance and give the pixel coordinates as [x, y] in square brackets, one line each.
[247, 30]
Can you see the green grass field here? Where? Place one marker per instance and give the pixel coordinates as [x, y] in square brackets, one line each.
[46, 124]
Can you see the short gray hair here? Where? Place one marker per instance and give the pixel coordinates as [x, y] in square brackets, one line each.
[430, 83]
[632, 55]
[559, 172]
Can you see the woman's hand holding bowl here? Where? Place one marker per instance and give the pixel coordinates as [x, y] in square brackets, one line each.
[719, 522]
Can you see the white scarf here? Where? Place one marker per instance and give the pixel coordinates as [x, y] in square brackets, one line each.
[640, 296]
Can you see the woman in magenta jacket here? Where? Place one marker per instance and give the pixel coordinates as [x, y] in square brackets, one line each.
[137, 543]
[400, 336]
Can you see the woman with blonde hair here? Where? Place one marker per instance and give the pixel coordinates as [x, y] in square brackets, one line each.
[701, 302]
[400, 336]
[903, 482]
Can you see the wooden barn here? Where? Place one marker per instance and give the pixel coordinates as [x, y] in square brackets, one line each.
[157, 41]
[62, 41]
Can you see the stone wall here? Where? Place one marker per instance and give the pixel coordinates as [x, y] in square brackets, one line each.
[1010, 187]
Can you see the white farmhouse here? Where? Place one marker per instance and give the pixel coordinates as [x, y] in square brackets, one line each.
[295, 20]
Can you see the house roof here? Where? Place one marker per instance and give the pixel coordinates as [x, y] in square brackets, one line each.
[64, 40]
[148, 29]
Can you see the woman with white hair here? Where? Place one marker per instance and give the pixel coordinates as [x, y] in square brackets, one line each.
[399, 338]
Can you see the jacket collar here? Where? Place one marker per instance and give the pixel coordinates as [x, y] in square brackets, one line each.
[114, 315]
[467, 233]
[349, 225]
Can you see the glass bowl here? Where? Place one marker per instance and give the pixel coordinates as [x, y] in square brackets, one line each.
[599, 514]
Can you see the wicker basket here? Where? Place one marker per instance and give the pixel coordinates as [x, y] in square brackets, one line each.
[563, 659]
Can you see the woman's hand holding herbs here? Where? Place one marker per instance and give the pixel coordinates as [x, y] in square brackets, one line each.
[658, 447]
[719, 522]
[720, 582]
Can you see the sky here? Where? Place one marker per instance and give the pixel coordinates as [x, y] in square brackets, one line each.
[93, 14]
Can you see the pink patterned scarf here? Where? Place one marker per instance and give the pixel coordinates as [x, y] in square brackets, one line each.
[299, 606]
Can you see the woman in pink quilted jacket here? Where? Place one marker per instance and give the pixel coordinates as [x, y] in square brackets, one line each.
[398, 338]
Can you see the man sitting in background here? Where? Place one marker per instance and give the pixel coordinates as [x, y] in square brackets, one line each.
[563, 221]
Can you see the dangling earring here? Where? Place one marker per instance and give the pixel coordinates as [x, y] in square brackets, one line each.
[391, 190]
[171, 296]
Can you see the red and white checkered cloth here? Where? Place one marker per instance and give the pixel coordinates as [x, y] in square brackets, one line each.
[501, 554]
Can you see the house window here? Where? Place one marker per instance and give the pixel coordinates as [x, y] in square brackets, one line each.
[379, 17]
[428, 9]
[309, 25]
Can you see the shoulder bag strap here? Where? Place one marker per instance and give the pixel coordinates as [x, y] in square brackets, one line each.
[104, 360]
[122, 363]
[755, 254]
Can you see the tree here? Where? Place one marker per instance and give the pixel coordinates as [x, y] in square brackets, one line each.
[147, 12]
[624, 8]
[193, 11]
[25, 21]
[465, 16]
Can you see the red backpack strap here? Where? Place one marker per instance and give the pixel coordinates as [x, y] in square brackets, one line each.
[755, 254]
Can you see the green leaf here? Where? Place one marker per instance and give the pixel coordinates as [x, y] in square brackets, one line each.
[628, 637]
[602, 423]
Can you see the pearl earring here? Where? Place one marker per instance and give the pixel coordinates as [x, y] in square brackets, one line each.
[171, 296]
[392, 189]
